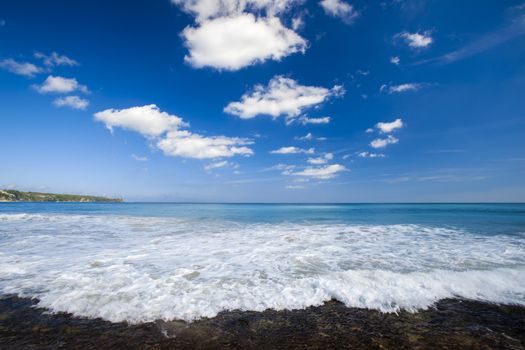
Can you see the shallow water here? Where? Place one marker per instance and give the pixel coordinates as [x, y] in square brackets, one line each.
[141, 262]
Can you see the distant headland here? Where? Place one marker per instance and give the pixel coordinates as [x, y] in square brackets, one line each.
[19, 196]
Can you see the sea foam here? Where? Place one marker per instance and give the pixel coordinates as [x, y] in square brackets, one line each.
[146, 268]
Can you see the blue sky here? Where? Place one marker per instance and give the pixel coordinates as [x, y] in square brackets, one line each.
[264, 100]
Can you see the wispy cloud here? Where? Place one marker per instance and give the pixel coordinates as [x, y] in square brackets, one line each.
[370, 155]
[139, 158]
[321, 160]
[293, 150]
[382, 143]
[309, 137]
[74, 102]
[341, 9]
[54, 59]
[21, 68]
[395, 60]
[219, 164]
[295, 187]
[316, 121]
[322, 173]
[406, 87]
[484, 43]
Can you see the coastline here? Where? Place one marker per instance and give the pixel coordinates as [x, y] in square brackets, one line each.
[451, 323]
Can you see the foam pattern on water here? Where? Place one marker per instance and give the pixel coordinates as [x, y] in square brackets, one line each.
[147, 268]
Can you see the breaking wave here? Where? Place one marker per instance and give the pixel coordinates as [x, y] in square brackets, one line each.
[146, 268]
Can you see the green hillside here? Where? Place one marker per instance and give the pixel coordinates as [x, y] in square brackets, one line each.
[19, 196]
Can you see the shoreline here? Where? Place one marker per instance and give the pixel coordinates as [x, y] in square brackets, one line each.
[451, 323]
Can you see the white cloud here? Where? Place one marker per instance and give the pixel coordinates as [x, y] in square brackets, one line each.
[317, 161]
[60, 85]
[321, 160]
[208, 9]
[163, 129]
[324, 173]
[309, 137]
[74, 102]
[217, 165]
[416, 40]
[370, 155]
[307, 120]
[369, 130]
[395, 89]
[382, 143]
[54, 59]
[306, 137]
[295, 187]
[139, 158]
[148, 120]
[281, 167]
[234, 42]
[186, 144]
[297, 23]
[282, 96]
[388, 127]
[293, 150]
[395, 60]
[20, 68]
[339, 8]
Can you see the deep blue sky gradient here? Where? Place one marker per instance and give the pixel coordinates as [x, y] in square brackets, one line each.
[464, 138]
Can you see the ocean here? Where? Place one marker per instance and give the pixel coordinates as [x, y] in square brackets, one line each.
[140, 262]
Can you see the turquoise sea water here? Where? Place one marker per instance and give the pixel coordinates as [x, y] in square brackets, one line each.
[487, 218]
[147, 261]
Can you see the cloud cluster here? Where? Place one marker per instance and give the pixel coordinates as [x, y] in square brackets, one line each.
[383, 128]
[232, 34]
[341, 9]
[164, 131]
[282, 97]
[52, 84]
[318, 168]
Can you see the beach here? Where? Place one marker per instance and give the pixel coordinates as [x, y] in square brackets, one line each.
[451, 324]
